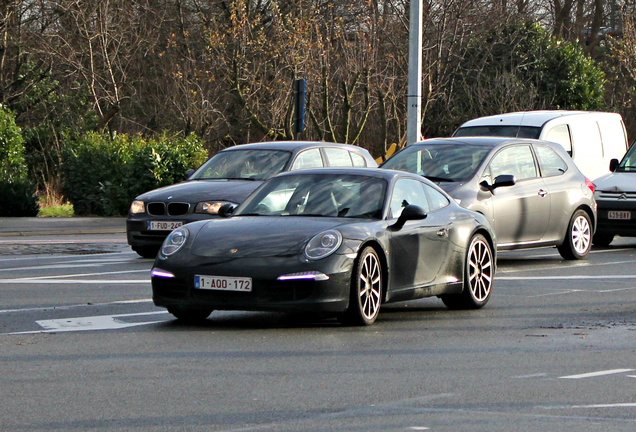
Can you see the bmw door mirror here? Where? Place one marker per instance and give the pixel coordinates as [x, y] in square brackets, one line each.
[188, 173]
[410, 212]
[613, 165]
[226, 210]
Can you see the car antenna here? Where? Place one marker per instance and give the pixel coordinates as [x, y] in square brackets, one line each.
[523, 114]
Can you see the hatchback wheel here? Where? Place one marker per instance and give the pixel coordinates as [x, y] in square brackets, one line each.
[578, 239]
[366, 290]
[478, 277]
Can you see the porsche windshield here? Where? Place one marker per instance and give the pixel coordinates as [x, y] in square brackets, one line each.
[243, 165]
[327, 195]
[440, 162]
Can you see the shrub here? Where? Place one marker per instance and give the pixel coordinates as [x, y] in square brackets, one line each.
[102, 175]
[17, 193]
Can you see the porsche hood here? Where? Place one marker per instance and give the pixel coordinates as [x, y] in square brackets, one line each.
[258, 236]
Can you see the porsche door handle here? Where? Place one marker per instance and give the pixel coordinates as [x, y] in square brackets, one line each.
[542, 193]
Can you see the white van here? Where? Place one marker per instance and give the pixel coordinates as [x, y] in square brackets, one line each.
[591, 138]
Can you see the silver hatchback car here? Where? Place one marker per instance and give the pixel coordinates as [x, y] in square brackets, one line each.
[530, 190]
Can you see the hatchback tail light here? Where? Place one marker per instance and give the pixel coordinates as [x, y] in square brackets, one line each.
[589, 184]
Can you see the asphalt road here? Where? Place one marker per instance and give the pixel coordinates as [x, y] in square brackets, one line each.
[82, 348]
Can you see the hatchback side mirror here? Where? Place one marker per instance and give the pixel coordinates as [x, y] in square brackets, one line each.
[502, 180]
[613, 165]
[226, 210]
[410, 212]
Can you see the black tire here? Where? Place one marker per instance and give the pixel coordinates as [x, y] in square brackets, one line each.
[366, 290]
[190, 315]
[479, 273]
[147, 251]
[578, 238]
[602, 239]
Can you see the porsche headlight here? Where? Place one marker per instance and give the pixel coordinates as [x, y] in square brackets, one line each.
[137, 207]
[209, 207]
[323, 245]
[175, 240]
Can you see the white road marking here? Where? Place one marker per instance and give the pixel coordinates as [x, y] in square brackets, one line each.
[417, 428]
[537, 375]
[577, 277]
[74, 281]
[614, 405]
[598, 373]
[50, 308]
[100, 322]
[65, 265]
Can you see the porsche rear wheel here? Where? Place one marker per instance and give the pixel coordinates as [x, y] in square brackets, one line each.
[478, 277]
[366, 290]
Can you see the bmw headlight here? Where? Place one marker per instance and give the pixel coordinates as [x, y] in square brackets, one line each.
[175, 240]
[137, 207]
[209, 207]
[323, 245]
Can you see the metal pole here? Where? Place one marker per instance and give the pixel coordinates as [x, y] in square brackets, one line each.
[414, 97]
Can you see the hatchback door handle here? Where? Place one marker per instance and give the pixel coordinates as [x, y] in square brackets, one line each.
[441, 232]
[542, 192]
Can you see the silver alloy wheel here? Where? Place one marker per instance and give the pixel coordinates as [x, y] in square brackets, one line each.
[581, 235]
[480, 269]
[370, 285]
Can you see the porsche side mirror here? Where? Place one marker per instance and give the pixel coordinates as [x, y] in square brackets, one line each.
[410, 212]
[188, 173]
[226, 210]
[613, 165]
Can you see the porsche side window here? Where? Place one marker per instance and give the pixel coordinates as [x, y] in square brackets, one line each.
[437, 200]
[515, 160]
[405, 192]
[550, 162]
[308, 159]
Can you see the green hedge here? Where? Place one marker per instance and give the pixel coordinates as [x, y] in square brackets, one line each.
[102, 175]
[17, 193]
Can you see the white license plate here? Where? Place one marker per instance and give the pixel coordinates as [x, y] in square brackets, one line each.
[619, 215]
[163, 226]
[223, 283]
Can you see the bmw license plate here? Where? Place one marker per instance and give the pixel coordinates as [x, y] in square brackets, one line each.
[223, 283]
[619, 215]
[163, 225]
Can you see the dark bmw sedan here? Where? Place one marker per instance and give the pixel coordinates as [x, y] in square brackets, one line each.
[334, 241]
[530, 190]
[227, 177]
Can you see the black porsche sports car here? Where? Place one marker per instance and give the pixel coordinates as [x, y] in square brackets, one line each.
[340, 241]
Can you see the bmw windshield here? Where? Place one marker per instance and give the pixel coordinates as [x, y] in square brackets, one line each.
[440, 162]
[243, 165]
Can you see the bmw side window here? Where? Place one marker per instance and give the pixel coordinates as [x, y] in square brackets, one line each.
[560, 134]
[437, 200]
[308, 159]
[338, 157]
[515, 160]
[358, 161]
[407, 192]
[550, 162]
